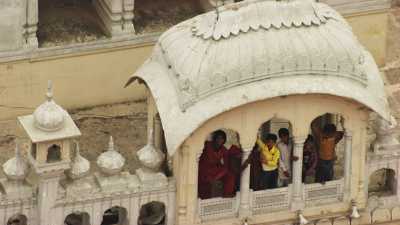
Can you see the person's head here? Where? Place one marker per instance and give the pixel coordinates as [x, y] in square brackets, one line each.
[284, 135]
[270, 140]
[218, 138]
[329, 129]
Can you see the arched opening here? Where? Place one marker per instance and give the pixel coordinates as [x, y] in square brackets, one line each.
[382, 183]
[17, 219]
[324, 150]
[63, 22]
[53, 154]
[220, 165]
[272, 156]
[33, 150]
[77, 218]
[115, 216]
[158, 15]
[152, 213]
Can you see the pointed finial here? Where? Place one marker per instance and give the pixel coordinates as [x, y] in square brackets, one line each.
[17, 150]
[49, 93]
[77, 148]
[354, 210]
[150, 137]
[111, 144]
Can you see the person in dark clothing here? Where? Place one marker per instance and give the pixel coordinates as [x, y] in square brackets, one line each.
[214, 167]
[255, 168]
[310, 158]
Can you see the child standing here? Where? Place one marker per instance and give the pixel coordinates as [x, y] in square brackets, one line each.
[269, 155]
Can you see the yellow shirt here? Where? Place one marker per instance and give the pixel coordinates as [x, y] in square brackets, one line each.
[272, 156]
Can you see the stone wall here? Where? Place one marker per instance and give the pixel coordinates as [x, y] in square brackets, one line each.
[392, 68]
[11, 26]
[126, 122]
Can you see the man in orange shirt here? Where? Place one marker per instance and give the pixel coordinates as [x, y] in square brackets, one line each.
[327, 139]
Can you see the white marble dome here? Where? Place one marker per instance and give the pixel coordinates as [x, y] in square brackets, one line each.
[17, 167]
[149, 156]
[49, 116]
[252, 51]
[111, 162]
[80, 166]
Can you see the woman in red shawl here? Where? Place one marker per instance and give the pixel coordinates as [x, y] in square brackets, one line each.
[214, 165]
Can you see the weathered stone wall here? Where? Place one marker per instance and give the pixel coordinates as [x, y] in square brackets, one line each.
[11, 26]
[392, 67]
[126, 122]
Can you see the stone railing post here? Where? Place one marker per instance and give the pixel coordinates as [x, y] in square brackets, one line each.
[244, 207]
[347, 163]
[297, 191]
[182, 184]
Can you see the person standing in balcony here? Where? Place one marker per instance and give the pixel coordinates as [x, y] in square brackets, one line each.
[286, 157]
[269, 155]
[310, 159]
[214, 168]
[327, 139]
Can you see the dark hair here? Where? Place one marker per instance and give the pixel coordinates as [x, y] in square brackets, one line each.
[283, 132]
[329, 128]
[218, 133]
[271, 137]
[310, 138]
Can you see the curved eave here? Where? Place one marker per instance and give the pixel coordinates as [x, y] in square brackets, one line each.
[155, 75]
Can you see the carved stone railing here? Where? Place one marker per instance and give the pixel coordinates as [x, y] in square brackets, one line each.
[217, 208]
[319, 194]
[267, 201]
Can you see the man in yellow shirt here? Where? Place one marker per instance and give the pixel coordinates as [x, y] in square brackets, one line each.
[269, 155]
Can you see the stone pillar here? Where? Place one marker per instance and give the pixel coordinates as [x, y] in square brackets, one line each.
[182, 181]
[244, 208]
[347, 163]
[128, 16]
[157, 131]
[117, 16]
[32, 19]
[297, 184]
[171, 204]
[47, 196]
[397, 176]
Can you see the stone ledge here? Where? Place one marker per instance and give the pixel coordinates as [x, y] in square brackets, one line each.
[354, 7]
[77, 49]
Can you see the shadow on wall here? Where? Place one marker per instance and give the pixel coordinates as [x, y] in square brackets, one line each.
[77, 218]
[17, 219]
[382, 183]
[115, 216]
[152, 213]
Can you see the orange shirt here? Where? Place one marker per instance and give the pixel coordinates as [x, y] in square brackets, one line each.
[327, 148]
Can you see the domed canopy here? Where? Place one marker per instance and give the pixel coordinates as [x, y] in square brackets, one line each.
[49, 121]
[49, 116]
[17, 167]
[110, 162]
[230, 56]
[79, 166]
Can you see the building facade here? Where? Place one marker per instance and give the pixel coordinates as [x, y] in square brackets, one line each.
[311, 56]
